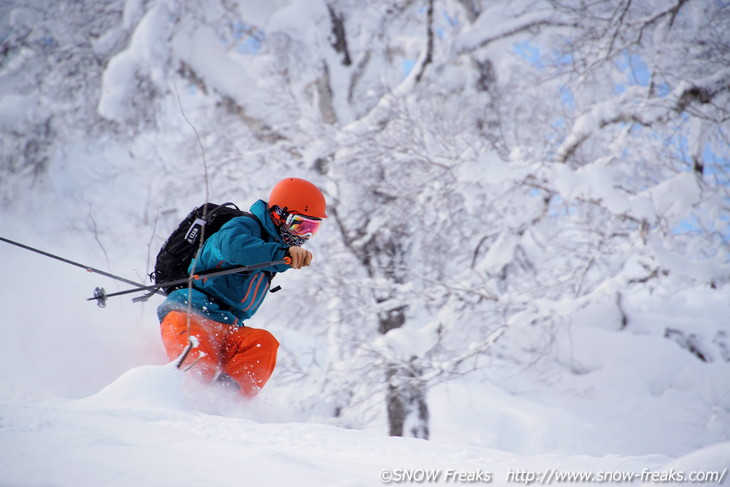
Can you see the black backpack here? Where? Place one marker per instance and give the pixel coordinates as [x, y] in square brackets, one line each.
[183, 244]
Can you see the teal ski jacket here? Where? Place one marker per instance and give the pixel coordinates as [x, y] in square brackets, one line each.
[233, 298]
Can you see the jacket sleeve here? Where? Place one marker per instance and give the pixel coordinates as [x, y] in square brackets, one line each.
[238, 242]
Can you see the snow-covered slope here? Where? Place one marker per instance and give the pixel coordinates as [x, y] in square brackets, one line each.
[140, 431]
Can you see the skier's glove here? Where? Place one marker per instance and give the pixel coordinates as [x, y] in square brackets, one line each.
[299, 257]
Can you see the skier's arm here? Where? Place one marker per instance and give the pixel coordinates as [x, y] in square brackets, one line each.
[237, 243]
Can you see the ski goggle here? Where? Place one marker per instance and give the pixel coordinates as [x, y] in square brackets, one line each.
[303, 226]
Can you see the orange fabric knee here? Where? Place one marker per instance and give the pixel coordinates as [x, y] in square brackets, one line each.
[250, 358]
[174, 329]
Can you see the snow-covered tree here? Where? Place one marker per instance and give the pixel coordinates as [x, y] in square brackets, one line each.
[576, 181]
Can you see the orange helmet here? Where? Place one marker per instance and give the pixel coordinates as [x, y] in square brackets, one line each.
[297, 195]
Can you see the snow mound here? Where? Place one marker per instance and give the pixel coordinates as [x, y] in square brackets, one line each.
[147, 388]
[711, 460]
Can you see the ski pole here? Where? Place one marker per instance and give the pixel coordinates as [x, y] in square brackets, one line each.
[100, 295]
[85, 267]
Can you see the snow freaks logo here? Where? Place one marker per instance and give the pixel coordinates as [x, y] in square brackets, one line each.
[421, 475]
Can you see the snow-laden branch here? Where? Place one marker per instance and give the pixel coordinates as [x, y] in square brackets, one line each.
[490, 28]
[704, 91]
[634, 106]
[146, 58]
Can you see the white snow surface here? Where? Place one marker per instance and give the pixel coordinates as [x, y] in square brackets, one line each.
[139, 430]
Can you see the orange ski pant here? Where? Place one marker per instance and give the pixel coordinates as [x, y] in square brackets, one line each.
[247, 355]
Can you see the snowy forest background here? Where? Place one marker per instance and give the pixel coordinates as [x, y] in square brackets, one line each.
[527, 246]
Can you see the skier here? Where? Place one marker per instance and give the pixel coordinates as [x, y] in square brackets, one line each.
[215, 309]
